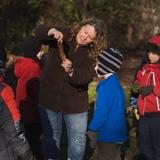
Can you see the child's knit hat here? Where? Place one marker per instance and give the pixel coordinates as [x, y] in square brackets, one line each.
[153, 44]
[109, 61]
[30, 47]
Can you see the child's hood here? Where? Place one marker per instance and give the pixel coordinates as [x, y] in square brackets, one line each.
[23, 66]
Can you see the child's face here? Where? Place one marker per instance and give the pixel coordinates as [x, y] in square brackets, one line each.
[153, 58]
[96, 67]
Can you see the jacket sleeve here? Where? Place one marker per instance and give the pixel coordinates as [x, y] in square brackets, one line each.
[156, 87]
[102, 108]
[7, 125]
[41, 33]
[84, 73]
[136, 84]
[9, 100]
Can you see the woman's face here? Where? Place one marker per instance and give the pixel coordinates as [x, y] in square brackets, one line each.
[86, 35]
[153, 58]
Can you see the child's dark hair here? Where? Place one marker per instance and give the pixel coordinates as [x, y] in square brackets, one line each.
[30, 47]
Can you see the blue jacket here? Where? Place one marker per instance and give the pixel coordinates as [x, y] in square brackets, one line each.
[109, 116]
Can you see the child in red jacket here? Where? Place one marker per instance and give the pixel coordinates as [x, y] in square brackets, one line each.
[12, 140]
[27, 70]
[148, 84]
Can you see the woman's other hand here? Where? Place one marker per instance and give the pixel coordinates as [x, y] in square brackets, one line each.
[67, 65]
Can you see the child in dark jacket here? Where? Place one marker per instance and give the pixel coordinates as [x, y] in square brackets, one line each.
[27, 70]
[108, 125]
[148, 84]
[12, 140]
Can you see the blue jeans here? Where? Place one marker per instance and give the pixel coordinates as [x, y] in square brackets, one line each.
[76, 125]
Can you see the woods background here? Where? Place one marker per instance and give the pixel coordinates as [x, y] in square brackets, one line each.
[128, 22]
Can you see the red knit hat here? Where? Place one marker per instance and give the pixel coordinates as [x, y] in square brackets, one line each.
[153, 44]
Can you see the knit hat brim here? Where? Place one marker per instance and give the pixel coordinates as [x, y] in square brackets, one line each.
[152, 48]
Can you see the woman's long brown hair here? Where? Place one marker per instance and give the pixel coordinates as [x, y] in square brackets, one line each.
[100, 42]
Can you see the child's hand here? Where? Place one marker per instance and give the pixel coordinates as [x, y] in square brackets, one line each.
[135, 88]
[93, 139]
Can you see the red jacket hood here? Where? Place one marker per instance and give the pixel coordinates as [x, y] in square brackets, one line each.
[23, 65]
[25, 70]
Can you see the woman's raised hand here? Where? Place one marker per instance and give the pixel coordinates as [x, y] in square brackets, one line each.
[57, 34]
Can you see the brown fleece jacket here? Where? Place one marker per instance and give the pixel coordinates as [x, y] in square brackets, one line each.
[58, 92]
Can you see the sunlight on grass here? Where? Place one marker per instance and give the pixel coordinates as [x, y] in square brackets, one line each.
[92, 91]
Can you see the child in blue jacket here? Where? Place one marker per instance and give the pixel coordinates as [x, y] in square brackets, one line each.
[108, 125]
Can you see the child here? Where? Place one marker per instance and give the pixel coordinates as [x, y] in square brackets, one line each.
[148, 82]
[108, 122]
[27, 69]
[12, 139]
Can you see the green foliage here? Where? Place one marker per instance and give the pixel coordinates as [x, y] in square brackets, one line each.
[127, 21]
[127, 95]
[58, 12]
[92, 92]
[18, 19]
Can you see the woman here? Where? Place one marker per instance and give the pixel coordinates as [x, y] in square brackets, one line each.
[64, 83]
